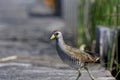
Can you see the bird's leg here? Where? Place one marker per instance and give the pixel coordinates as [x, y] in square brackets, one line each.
[92, 78]
[79, 74]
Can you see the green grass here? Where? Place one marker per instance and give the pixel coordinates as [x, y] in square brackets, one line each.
[101, 13]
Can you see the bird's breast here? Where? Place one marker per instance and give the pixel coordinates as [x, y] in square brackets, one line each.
[68, 59]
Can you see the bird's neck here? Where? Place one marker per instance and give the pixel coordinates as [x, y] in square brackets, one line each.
[60, 43]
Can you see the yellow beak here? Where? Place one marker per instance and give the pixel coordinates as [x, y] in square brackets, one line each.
[52, 37]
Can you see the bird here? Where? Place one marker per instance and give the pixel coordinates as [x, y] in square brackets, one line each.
[75, 58]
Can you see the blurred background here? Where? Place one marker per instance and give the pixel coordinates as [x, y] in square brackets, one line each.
[26, 26]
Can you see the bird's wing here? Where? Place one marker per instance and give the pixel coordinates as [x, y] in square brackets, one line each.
[91, 54]
[73, 52]
[82, 55]
[88, 53]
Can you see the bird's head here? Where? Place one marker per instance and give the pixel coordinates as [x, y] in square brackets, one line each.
[56, 35]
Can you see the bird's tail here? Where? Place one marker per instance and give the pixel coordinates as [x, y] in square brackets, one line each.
[97, 60]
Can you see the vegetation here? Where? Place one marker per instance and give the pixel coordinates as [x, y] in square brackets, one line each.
[100, 12]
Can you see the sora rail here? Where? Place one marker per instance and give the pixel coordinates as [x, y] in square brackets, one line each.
[75, 58]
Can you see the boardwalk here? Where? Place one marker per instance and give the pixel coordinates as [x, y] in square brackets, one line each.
[28, 71]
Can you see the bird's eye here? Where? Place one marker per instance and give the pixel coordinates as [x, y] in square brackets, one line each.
[56, 34]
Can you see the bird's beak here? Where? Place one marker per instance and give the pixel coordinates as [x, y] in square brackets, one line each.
[52, 37]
